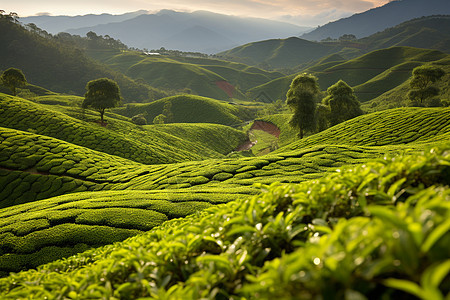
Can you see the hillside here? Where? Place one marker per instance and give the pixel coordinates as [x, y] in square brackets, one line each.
[426, 32]
[191, 109]
[121, 137]
[370, 75]
[59, 67]
[199, 31]
[367, 23]
[279, 53]
[206, 77]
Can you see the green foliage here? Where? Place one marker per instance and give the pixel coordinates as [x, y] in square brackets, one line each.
[301, 98]
[421, 83]
[342, 102]
[13, 78]
[139, 119]
[101, 94]
[376, 230]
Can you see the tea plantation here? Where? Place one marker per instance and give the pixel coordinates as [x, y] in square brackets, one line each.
[171, 211]
[378, 230]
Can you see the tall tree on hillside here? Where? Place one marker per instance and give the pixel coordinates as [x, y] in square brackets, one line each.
[421, 84]
[13, 78]
[301, 98]
[101, 94]
[342, 102]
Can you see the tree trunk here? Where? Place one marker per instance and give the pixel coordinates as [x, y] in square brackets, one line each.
[13, 89]
[301, 132]
[102, 112]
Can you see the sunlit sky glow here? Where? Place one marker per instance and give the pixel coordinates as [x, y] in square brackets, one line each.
[301, 12]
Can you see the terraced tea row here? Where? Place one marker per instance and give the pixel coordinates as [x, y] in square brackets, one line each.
[120, 138]
[392, 127]
[43, 231]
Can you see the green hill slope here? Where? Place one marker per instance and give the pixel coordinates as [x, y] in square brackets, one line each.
[191, 109]
[426, 32]
[121, 138]
[390, 127]
[59, 67]
[199, 75]
[281, 53]
[370, 75]
[341, 226]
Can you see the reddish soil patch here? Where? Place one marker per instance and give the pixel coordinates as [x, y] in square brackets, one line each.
[267, 127]
[226, 87]
[247, 145]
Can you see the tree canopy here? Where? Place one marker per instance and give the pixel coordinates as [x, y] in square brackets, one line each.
[101, 94]
[13, 78]
[342, 102]
[422, 81]
[301, 98]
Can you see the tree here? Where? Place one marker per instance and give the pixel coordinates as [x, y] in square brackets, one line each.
[322, 117]
[422, 81]
[13, 78]
[101, 94]
[342, 102]
[301, 98]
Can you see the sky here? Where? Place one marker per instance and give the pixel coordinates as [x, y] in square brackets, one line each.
[300, 12]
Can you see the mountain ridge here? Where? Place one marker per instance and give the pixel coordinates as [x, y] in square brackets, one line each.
[368, 22]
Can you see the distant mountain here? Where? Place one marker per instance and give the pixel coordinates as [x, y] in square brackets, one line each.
[431, 32]
[56, 24]
[380, 18]
[279, 53]
[199, 31]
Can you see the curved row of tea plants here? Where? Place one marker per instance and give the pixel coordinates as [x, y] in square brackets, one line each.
[375, 230]
[120, 138]
[40, 232]
[390, 127]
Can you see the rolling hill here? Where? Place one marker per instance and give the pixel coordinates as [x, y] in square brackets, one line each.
[370, 75]
[279, 53]
[426, 32]
[191, 109]
[367, 23]
[121, 137]
[206, 77]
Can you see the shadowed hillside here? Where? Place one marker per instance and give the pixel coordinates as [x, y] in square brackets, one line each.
[379, 18]
[59, 67]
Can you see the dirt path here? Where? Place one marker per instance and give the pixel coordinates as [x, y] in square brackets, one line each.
[259, 125]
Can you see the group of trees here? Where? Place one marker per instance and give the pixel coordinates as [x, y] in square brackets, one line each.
[339, 105]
